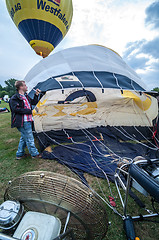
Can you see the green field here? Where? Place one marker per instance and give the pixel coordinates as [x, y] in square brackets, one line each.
[11, 168]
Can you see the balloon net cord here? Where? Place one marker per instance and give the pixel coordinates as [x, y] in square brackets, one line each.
[91, 154]
[153, 136]
[105, 199]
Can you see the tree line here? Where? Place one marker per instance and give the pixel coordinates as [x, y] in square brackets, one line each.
[9, 88]
[156, 89]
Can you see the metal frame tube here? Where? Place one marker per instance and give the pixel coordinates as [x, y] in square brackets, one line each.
[67, 233]
[145, 216]
[121, 199]
[127, 194]
[67, 221]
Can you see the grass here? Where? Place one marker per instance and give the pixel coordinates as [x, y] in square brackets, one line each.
[11, 168]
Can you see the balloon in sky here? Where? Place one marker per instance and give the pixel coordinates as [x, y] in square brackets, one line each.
[43, 23]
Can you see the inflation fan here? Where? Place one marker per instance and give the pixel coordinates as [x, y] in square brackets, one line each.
[45, 205]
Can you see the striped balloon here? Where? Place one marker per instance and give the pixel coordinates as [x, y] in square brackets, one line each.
[43, 23]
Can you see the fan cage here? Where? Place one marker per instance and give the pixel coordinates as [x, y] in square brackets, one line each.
[56, 195]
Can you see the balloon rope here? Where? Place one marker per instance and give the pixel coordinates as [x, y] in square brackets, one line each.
[64, 163]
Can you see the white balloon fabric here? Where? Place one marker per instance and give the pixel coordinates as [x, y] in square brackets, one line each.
[89, 58]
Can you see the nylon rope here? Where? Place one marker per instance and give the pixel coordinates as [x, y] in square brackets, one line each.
[91, 154]
[104, 200]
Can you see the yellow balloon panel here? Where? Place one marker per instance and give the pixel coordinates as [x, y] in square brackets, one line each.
[42, 21]
[143, 101]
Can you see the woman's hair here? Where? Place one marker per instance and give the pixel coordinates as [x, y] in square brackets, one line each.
[19, 84]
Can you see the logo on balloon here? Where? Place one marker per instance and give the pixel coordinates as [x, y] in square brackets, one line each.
[57, 2]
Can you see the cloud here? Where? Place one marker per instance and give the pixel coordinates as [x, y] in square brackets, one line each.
[151, 77]
[143, 55]
[111, 23]
[151, 48]
[152, 13]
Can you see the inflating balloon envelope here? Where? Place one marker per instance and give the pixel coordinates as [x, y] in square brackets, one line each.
[94, 111]
[95, 116]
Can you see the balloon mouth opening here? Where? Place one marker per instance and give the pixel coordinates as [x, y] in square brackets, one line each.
[42, 48]
[41, 51]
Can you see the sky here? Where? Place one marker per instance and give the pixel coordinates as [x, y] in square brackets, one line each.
[130, 27]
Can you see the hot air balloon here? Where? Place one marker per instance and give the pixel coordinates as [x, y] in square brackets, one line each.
[95, 104]
[43, 23]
